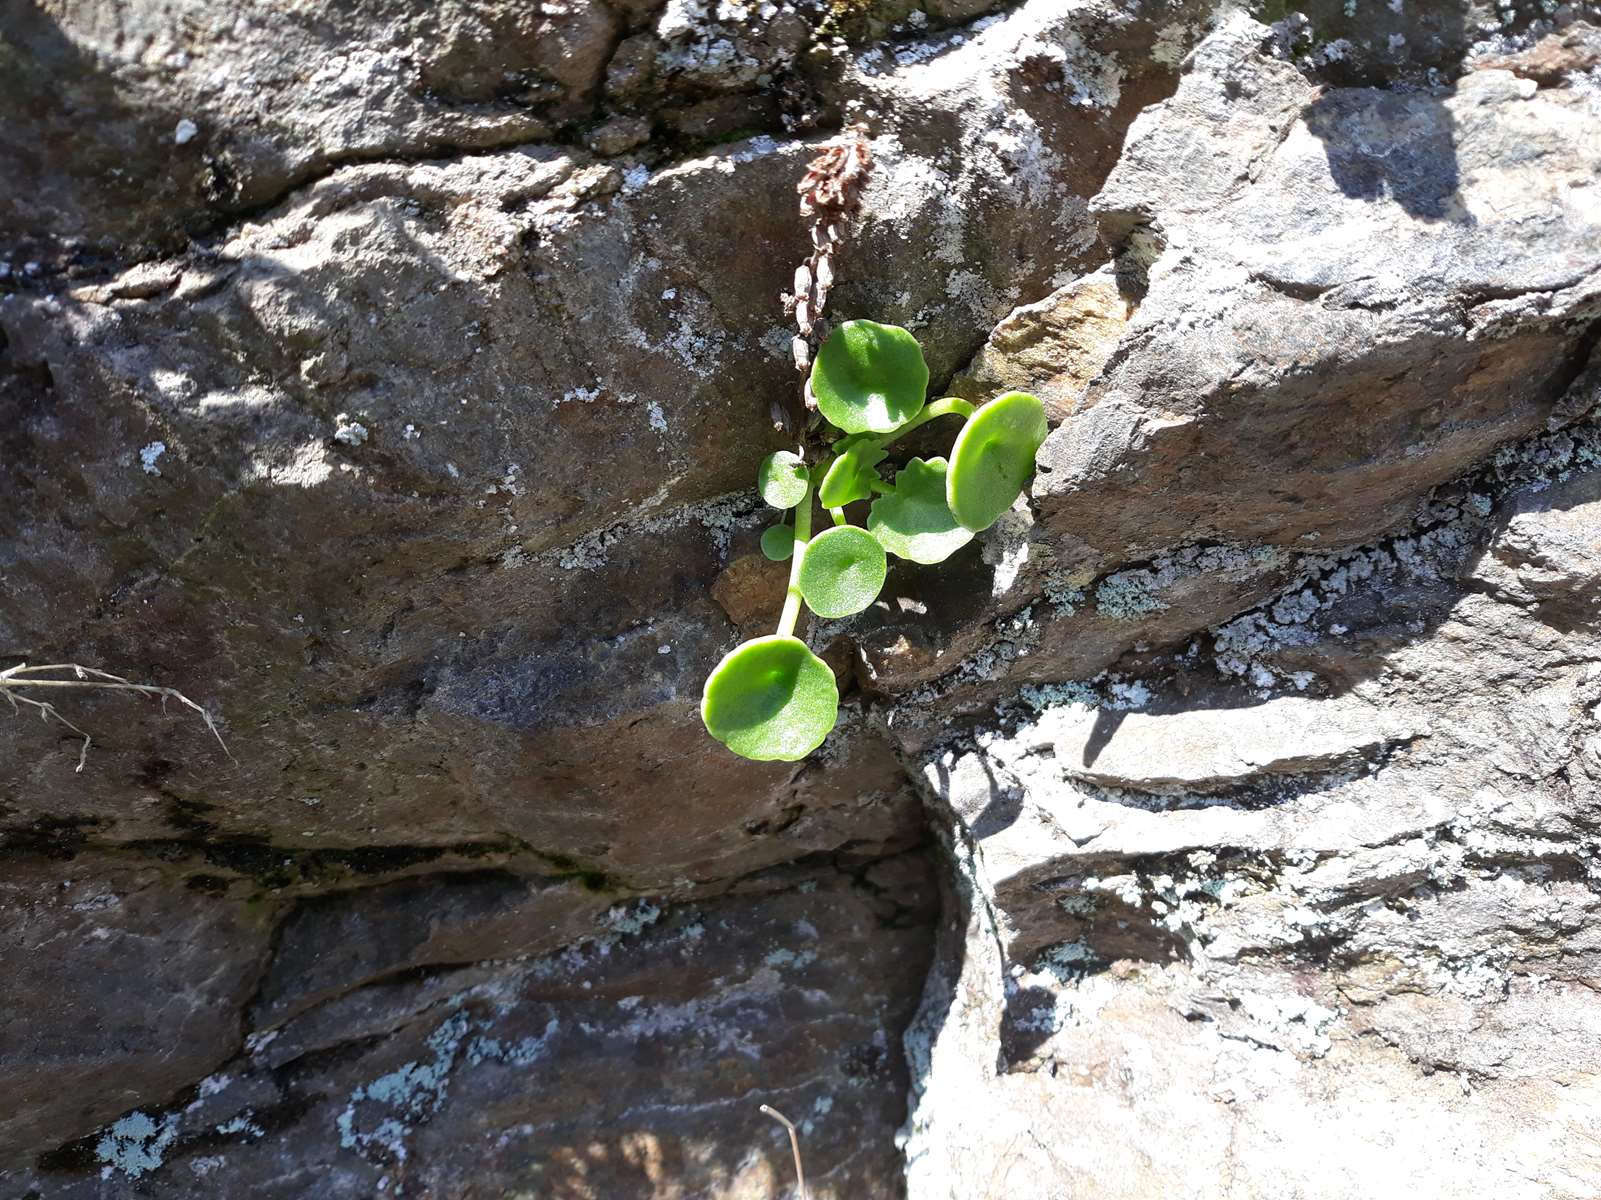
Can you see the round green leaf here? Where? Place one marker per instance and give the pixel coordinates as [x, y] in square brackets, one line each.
[993, 458]
[781, 479]
[915, 522]
[869, 378]
[770, 698]
[841, 571]
[778, 542]
[850, 476]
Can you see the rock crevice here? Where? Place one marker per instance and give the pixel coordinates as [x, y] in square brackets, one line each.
[392, 380]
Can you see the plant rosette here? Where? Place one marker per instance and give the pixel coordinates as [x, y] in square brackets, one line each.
[772, 698]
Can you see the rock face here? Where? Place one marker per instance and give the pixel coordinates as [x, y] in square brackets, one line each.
[624, 1065]
[1304, 902]
[1434, 257]
[391, 380]
[1334, 945]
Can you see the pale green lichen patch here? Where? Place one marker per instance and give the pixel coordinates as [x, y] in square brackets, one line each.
[243, 1125]
[520, 1053]
[1064, 596]
[1058, 695]
[380, 1115]
[1115, 693]
[630, 919]
[1127, 595]
[413, 1090]
[1068, 961]
[1138, 591]
[135, 1145]
[1449, 525]
[789, 958]
[1075, 904]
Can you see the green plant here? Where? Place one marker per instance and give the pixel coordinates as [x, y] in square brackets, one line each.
[772, 698]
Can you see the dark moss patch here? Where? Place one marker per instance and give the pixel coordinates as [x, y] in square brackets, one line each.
[56, 838]
[75, 1156]
[189, 815]
[588, 876]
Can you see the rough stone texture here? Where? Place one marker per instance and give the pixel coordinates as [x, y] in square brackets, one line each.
[521, 406]
[391, 380]
[1211, 750]
[1369, 969]
[145, 1002]
[1053, 349]
[1344, 296]
[1300, 899]
[1278, 280]
[629, 1063]
[391, 377]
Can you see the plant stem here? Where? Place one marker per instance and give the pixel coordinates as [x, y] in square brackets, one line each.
[878, 485]
[803, 533]
[838, 514]
[940, 408]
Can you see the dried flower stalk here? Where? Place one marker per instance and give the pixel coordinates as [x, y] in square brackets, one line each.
[830, 196]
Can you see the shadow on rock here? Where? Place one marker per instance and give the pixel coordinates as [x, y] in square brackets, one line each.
[1381, 145]
[90, 159]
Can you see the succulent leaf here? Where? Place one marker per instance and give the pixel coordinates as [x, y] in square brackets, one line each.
[778, 542]
[915, 522]
[851, 475]
[782, 479]
[842, 571]
[993, 458]
[869, 378]
[770, 698]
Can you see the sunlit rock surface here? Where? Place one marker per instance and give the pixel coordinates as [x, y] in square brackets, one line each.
[391, 380]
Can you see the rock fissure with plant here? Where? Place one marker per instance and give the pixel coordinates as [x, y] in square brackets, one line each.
[1265, 730]
[772, 697]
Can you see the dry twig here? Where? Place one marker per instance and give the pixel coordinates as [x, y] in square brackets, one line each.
[794, 1146]
[14, 680]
